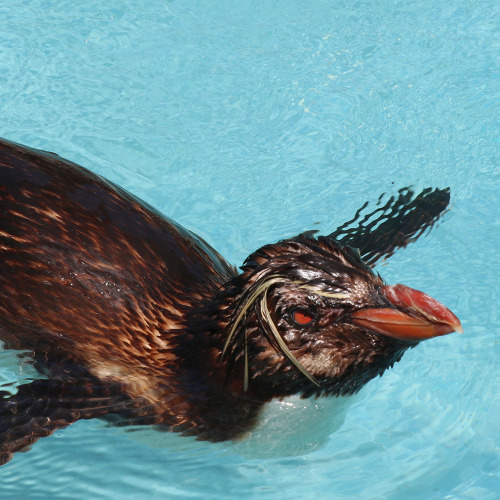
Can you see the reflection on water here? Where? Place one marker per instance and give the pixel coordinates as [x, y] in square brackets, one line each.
[16, 368]
[286, 428]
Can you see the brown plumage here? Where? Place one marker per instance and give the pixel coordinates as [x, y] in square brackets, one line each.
[130, 316]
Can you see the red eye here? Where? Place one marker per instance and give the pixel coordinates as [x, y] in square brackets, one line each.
[301, 318]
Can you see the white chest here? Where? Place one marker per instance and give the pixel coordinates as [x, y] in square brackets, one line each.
[290, 427]
[294, 426]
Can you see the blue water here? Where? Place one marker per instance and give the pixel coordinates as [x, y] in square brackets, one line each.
[249, 122]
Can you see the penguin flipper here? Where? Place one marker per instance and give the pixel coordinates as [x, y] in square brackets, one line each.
[46, 405]
[393, 224]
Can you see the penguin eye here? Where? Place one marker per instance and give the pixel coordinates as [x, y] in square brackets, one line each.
[301, 317]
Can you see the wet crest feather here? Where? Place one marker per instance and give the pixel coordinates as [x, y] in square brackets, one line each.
[257, 296]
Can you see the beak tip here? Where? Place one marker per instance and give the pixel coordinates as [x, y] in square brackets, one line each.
[432, 319]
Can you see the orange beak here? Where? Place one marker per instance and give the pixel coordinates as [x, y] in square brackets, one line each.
[416, 316]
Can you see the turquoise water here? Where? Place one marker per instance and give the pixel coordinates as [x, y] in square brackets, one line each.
[249, 122]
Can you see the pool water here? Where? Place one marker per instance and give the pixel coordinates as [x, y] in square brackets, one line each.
[249, 122]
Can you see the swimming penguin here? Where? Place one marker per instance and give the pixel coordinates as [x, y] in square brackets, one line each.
[130, 317]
